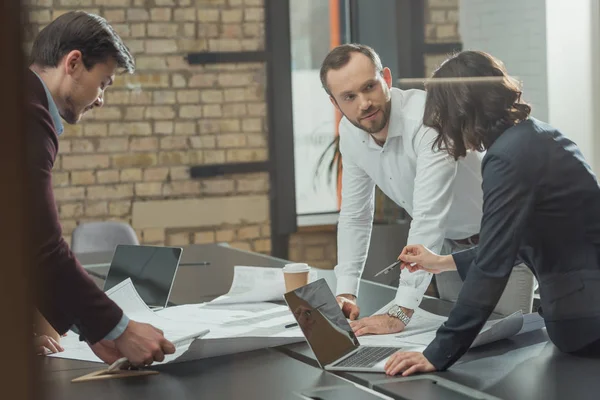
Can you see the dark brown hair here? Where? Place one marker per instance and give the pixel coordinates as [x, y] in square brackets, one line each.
[471, 101]
[340, 56]
[88, 33]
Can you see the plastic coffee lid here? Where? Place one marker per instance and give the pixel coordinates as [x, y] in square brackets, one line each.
[296, 267]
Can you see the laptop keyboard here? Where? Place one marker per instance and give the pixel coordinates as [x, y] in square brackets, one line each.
[366, 357]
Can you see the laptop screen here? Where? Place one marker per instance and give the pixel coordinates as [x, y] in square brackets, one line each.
[151, 269]
[319, 316]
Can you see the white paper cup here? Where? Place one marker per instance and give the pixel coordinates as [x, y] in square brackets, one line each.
[295, 275]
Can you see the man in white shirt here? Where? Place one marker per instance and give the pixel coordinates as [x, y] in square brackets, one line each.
[383, 142]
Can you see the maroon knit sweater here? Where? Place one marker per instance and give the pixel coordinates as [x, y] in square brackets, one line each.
[66, 294]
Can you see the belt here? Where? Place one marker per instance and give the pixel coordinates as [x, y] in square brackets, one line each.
[470, 240]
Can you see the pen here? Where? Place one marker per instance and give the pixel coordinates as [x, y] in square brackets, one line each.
[391, 267]
[291, 325]
[196, 263]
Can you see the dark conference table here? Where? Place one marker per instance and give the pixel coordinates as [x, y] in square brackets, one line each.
[260, 374]
[527, 366]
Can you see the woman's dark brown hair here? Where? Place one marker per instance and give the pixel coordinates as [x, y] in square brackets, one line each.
[471, 100]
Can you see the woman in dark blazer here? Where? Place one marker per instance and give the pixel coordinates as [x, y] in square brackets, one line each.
[541, 205]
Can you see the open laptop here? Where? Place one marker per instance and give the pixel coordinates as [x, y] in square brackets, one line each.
[329, 334]
[152, 270]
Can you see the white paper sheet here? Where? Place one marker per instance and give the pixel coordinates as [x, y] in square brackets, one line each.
[256, 284]
[499, 329]
[234, 331]
[125, 295]
[421, 321]
[233, 327]
[532, 322]
[424, 325]
[420, 332]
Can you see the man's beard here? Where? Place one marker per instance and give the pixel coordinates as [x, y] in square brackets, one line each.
[374, 128]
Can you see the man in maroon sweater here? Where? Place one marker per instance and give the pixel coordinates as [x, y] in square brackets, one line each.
[73, 60]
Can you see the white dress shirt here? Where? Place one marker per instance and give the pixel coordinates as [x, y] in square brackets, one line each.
[443, 197]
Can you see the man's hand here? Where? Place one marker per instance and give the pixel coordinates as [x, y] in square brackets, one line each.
[107, 351]
[347, 303]
[377, 325]
[418, 257]
[44, 344]
[408, 363]
[142, 344]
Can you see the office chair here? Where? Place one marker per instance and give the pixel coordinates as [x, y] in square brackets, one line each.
[92, 237]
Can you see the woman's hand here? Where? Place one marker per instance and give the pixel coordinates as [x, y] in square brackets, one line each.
[418, 257]
[45, 344]
[408, 363]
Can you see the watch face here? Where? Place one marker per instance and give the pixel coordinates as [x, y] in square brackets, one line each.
[394, 309]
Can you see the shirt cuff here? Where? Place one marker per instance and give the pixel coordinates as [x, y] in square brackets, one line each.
[409, 297]
[119, 329]
[347, 285]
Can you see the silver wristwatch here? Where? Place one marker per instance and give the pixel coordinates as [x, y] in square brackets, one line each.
[397, 312]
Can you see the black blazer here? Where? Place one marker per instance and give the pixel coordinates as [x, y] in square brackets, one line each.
[542, 205]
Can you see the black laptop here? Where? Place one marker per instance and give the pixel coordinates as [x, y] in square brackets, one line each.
[152, 270]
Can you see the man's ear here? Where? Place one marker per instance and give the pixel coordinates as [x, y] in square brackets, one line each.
[73, 62]
[387, 76]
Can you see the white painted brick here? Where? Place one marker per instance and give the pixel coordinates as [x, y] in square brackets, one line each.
[515, 32]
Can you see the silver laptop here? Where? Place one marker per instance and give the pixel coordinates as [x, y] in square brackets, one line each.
[329, 334]
[152, 271]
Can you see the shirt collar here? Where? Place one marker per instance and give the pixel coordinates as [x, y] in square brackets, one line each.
[52, 109]
[395, 114]
[394, 125]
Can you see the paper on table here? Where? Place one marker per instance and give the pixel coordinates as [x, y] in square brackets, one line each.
[423, 325]
[200, 314]
[256, 284]
[126, 297]
[229, 320]
[532, 322]
[76, 350]
[499, 329]
[237, 333]
[233, 328]
[427, 324]
[492, 331]
[421, 321]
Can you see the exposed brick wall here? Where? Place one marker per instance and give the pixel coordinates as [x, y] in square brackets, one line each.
[515, 32]
[441, 21]
[316, 246]
[441, 26]
[166, 117]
